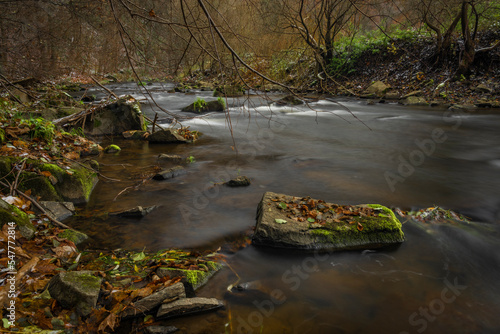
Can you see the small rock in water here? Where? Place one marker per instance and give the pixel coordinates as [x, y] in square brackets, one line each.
[240, 181]
[112, 149]
[169, 173]
[137, 212]
[170, 158]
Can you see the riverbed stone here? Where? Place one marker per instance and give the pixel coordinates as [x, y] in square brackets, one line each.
[377, 88]
[135, 134]
[59, 210]
[72, 183]
[240, 181]
[188, 306]
[136, 212]
[166, 136]
[285, 221]
[147, 304]
[209, 106]
[114, 118]
[170, 173]
[112, 149]
[76, 237]
[194, 278]
[170, 158]
[414, 101]
[392, 95]
[76, 289]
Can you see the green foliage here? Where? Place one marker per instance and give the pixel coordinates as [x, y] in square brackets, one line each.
[221, 101]
[42, 129]
[199, 104]
[349, 50]
[190, 159]
[77, 132]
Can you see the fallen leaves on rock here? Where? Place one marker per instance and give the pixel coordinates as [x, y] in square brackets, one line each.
[319, 212]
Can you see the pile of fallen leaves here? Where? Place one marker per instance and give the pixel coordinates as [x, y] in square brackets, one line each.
[320, 213]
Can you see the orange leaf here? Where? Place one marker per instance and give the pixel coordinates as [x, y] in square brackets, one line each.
[72, 155]
[360, 227]
[46, 173]
[152, 13]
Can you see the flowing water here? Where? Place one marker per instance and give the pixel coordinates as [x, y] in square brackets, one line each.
[442, 279]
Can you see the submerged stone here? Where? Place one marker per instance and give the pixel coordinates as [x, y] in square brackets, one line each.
[137, 212]
[303, 223]
[170, 173]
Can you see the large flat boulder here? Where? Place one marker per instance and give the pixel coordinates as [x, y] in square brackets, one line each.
[304, 223]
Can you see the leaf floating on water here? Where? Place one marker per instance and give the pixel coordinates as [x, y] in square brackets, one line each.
[280, 221]
[360, 227]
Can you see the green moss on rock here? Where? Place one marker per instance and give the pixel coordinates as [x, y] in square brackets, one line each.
[72, 185]
[196, 278]
[73, 235]
[10, 213]
[112, 149]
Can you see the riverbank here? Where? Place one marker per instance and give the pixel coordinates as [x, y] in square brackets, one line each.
[52, 280]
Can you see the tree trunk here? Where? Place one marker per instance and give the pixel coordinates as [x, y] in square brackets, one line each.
[467, 57]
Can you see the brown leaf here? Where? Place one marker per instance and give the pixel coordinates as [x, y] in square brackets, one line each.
[72, 155]
[360, 227]
[46, 173]
[110, 322]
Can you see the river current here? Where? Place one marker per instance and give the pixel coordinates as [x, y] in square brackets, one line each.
[442, 279]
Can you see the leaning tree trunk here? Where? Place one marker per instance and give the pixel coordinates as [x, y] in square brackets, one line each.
[467, 57]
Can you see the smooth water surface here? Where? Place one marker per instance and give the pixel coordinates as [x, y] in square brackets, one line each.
[442, 279]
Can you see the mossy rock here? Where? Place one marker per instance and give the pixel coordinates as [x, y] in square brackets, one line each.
[72, 235]
[210, 106]
[64, 185]
[112, 149]
[10, 213]
[339, 228]
[76, 289]
[195, 278]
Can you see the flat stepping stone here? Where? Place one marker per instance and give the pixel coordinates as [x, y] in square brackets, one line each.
[188, 306]
[308, 224]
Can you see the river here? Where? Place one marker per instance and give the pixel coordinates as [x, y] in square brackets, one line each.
[442, 279]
